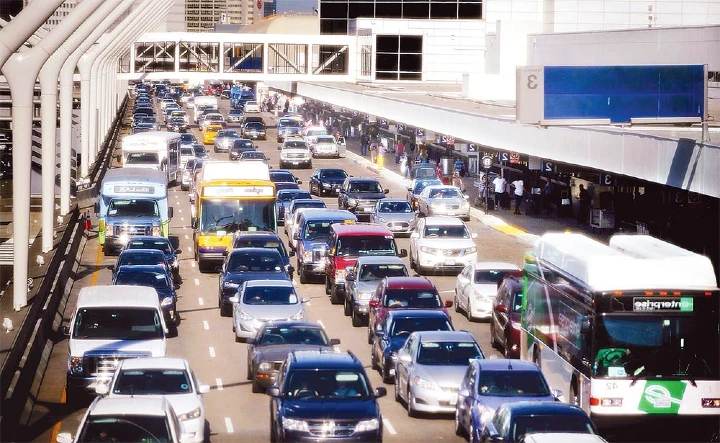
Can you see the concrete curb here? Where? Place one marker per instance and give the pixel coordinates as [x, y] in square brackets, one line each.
[488, 220]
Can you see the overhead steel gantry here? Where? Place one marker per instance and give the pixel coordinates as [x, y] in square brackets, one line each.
[84, 39]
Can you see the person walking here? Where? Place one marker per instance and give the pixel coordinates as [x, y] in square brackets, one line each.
[363, 145]
[458, 182]
[519, 187]
[399, 151]
[499, 185]
[584, 206]
[547, 196]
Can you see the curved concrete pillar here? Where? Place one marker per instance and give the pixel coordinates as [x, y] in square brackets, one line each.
[66, 99]
[48, 103]
[21, 71]
[24, 25]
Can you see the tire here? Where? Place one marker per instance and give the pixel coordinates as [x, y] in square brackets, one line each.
[493, 340]
[348, 309]
[459, 431]
[334, 296]
[224, 311]
[413, 265]
[397, 392]
[249, 372]
[411, 412]
[256, 388]
[327, 286]
[357, 321]
[373, 361]
[303, 277]
[420, 270]
[468, 311]
[75, 399]
[369, 335]
[507, 347]
[386, 377]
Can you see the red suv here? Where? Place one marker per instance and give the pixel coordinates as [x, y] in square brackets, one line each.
[394, 293]
[346, 243]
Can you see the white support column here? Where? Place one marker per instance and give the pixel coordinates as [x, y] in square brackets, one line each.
[24, 25]
[48, 102]
[66, 97]
[21, 71]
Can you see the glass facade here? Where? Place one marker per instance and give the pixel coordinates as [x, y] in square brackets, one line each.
[398, 57]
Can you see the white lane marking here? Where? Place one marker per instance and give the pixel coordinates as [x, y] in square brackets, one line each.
[180, 210]
[206, 325]
[321, 323]
[189, 248]
[201, 302]
[389, 426]
[228, 425]
[446, 292]
[218, 384]
[197, 282]
[177, 196]
[212, 351]
[182, 218]
[192, 264]
[187, 237]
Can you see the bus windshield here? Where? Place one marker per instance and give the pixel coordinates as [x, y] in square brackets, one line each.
[133, 208]
[650, 346]
[235, 215]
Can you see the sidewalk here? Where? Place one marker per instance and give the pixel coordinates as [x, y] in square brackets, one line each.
[526, 228]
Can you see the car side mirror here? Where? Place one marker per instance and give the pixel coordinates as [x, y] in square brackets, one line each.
[379, 332]
[203, 389]
[298, 182]
[64, 437]
[291, 254]
[178, 251]
[170, 212]
[448, 303]
[225, 253]
[380, 392]
[558, 395]
[250, 340]
[279, 148]
[102, 389]
[234, 299]
[403, 253]
[415, 235]
[273, 391]
[65, 330]
[334, 341]
[386, 191]
[473, 235]
[111, 267]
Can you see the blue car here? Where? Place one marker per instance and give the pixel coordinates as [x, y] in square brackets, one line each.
[263, 239]
[161, 243]
[488, 384]
[283, 199]
[393, 332]
[154, 276]
[135, 257]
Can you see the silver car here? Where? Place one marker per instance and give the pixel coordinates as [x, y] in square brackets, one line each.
[430, 367]
[444, 200]
[396, 214]
[477, 286]
[362, 281]
[327, 146]
[224, 140]
[259, 301]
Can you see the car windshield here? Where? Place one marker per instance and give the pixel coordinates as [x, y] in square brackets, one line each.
[323, 384]
[296, 335]
[425, 172]
[199, 150]
[314, 132]
[403, 327]
[452, 231]
[270, 295]
[141, 258]
[355, 245]
[236, 112]
[125, 427]
[491, 276]
[534, 424]
[260, 243]
[243, 144]
[254, 262]
[412, 298]
[186, 151]
[333, 173]
[254, 125]
[445, 193]
[318, 229]
[419, 186]
[512, 384]
[295, 144]
[252, 155]
[162, 245]
[401, 207]
[292, 195]
[141, 158]
[133, 208]
[372, 272]
[117, 323]
[448, 353]
[279, 177]
[152, 382]
[135, 277]
[228, 133]
[366, 186]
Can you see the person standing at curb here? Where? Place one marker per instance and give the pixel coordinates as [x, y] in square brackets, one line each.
[518, 194]
[499, 184]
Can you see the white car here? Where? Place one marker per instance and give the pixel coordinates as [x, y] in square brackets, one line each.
[171, 378]
[327, 146]
[260, 301]
[251, 106]
[211, 118]
[441, 244]
[477, 286]
[443, 200]
[164, 102]
[295, 152]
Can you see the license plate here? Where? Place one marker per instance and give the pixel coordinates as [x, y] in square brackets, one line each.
[450, 262]
[367, 209]
[295, 163]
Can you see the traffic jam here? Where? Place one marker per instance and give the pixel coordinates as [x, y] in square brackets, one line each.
[252, 277]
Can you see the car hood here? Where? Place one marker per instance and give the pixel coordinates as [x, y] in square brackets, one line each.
[447, 243]
[314, 244]
[366, 195]
[279, 352]
[351, 409]
[485, 289]
[444, 376]
[367, 286]
[150, 348]
[396, 216]
[493, 402]
[272, 312]
[333, 180]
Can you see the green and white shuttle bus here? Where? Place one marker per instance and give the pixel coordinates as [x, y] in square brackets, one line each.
[630, 330]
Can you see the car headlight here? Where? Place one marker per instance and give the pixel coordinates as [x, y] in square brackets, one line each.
[244, 315]
[230, 285]
[291, 424]
[340, 274]
[393, 356]
[299, 316]
[429, 250]
[365, 296]
[167, 301]
[307, 255]
[75, 365]
[424, 383]
[195, 413]
[367, 425]
[265, 366]
[471, 250]
[326, 185]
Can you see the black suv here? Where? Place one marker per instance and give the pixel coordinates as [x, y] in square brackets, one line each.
[324, 395]
[359, 195]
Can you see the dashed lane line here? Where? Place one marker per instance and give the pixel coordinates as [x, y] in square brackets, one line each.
[180, 210]
[228, 425]
[197, 282]
[206, 325]
[192, 264]
[321, 323]
[182, 218]
[212, 351]
[218, 384]
[187, 237]
[389, 426]
[189, 248]
[201, 302]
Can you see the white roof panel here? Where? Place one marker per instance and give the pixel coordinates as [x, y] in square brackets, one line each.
[118, 296]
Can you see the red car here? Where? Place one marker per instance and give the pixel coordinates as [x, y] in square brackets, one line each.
[505, 320]
[395, 293]
[347, 242]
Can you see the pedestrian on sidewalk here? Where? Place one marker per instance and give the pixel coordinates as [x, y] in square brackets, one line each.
[399, 151]
[373, 151]
[518, 194]
[458, 182]
[499, 185]
[547, 196]
[584, 206]
[438, 171]
[408, 165]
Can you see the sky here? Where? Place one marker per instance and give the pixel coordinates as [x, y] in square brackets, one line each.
[305, 6]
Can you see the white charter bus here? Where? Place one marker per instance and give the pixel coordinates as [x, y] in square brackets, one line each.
[153, 150]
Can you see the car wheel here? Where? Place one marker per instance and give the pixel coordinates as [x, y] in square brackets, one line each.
[398, 398]
[373, 361]
[320, 192]
[348, 308]
[469, 310]
[507, 347]
[459, 431]
[249, 372]
[472, 438]
[386, 377]
[410, 408]
[303, 277]
[224, 311]
[327, 286]
[420, 270]
[334, 296]
[369, 335]
[357, 321]
[493, 340]
[412, 260]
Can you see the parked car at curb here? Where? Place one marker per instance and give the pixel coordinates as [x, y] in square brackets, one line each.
[477, 286]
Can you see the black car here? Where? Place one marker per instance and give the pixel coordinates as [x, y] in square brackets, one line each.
[135, 257]
[327, 180]
[239, 146]
[177, 124]
[283, 198]
[359, 195]
[283, 175]
[187, 138]
[394, 330]
[154, 276]
[286, 185]
[263, 239]
[512, 421]
[325, 394]
[160, 243]
[274, 341]
[254, 130]
[241, 265]
[200, 151]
